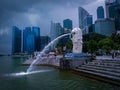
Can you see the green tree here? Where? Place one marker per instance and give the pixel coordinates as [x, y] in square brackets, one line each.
[95, 37]
[59, 47]
[115, 38]
[92, 46]
[85, 46]
[106, 44]
[69, 45]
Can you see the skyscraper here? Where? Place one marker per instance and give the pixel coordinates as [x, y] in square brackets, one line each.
[26, 32]
[100, 12]
[82, 13]
[112, 8]
[59, 29]
[67, 24]
[113, 11]
[30, 43]
[88, 21]
[36, 31]
[52, 31]
[16, 40]
[44, 41]
[56, 30]
[105, 27]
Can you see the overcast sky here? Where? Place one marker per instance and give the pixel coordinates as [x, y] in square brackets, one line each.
[39, 13]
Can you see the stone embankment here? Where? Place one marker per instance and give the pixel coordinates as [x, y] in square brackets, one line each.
[106, 69]
[103, 68]
[49, 61]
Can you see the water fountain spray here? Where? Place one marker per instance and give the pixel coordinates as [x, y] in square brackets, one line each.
[39, 56]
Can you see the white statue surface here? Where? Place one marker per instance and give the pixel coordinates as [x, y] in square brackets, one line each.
[77, 40]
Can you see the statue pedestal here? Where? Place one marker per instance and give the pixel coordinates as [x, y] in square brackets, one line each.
[73, 60]
[76, 55]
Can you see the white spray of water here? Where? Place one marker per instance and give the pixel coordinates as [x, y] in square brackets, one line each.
[38, 57]
[26, 73]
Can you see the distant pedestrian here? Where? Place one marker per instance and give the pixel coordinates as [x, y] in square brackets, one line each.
[113, 55]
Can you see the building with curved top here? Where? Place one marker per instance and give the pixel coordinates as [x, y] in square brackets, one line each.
[82, 13]
[100, 12]
[67, 24]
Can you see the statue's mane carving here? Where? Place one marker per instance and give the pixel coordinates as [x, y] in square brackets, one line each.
[77, 40]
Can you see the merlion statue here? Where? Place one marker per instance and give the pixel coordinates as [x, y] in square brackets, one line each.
[77, 40]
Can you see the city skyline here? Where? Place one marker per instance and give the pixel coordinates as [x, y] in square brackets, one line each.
[39, 13]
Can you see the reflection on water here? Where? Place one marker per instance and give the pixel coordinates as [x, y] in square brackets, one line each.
[44, 78]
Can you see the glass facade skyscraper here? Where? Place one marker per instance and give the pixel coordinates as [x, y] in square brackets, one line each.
[88, 21]
[30, 43]
[25, 41]
[59, 29]
[52, 31]
[26, 32]
[31, 35]
[44, 41]
[36, 31]
[113, 12]
[56, 30]
[67, 24]
[112, 8]
[82, 13]
[100, 12]
[16, 40]
[105, 27]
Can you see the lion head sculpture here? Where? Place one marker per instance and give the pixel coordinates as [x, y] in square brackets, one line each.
[77, 40]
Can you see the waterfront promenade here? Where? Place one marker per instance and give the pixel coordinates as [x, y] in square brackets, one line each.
[104, 68]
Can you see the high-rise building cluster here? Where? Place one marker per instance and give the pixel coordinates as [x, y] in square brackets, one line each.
[27, 40]
[57, 30]
[103, 26]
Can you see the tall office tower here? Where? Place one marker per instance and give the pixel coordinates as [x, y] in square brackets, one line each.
[59, 29]
[30, 43]
[16, 40]
[44, 41]
[100, 12]
[113, 11]
[52, 31]
[36, 31]
[82, 13]
[105, 27]
[88, 21]
[111, 8]
[55, 30]
[67, 24]
[26, 32]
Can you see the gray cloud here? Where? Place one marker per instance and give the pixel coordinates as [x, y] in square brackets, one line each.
[35, 12]
[9, 9]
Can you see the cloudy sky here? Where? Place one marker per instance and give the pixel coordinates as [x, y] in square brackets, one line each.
[39, 13]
